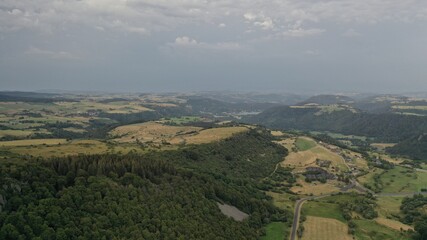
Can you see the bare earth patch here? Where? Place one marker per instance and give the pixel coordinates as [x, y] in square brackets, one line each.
[318, 228]
[232, 212]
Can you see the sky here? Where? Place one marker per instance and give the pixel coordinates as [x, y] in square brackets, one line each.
[203, 45]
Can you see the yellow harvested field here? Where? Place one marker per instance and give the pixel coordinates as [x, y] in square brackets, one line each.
[277, 133]
[214, 134]
[316, 188]
[17, 143]
[158, 133]
[125, 107]
[393, 224]
[382, 146]
[152, 132]
[15, 133]
[288, 143]
[302, 159]
[318, 228]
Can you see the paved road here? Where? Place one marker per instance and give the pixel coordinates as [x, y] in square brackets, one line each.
[297, 211]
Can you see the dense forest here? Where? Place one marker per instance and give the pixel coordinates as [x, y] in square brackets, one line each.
[384, 127]
[414, 147]
[160, 195]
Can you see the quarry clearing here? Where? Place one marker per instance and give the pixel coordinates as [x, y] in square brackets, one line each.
[232, 212]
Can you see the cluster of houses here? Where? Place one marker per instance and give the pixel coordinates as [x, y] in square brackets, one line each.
[317, 174]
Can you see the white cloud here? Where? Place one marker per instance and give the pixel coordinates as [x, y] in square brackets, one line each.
[145, 16]
[187, 42]
[265, 24]
[222, 25]
[300, 32]
[250, 16]
[50, 54]
[259, 20]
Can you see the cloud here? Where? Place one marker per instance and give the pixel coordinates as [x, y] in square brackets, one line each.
[351, 33]
[312, 52]
[187, 42]
[143, 17]
[50, 54]
[259, 20]
[300, 32]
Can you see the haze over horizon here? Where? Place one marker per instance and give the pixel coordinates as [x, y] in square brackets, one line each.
[199, 45]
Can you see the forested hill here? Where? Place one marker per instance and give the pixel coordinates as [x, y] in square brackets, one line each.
[383, 126]
[160, 195]
[414, 147]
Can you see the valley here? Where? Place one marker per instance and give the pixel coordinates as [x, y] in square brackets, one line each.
[279, 172]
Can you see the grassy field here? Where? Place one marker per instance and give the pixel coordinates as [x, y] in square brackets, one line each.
[214, 134]
[183, 120]
[340, 136]
[65, 148]
[304, 144]
[16, 133]
[154, 132]
[288, 143]
[316, 188]
[393, 224]
[402, 179]
[282, 200]
[389, 206]
[319, 228]
[276, 231]
[382, 146]
[302, 159]
[371, 230]
[74, 147]
[369, 177]
[277, 133]
[18, 143]
[323, 209]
